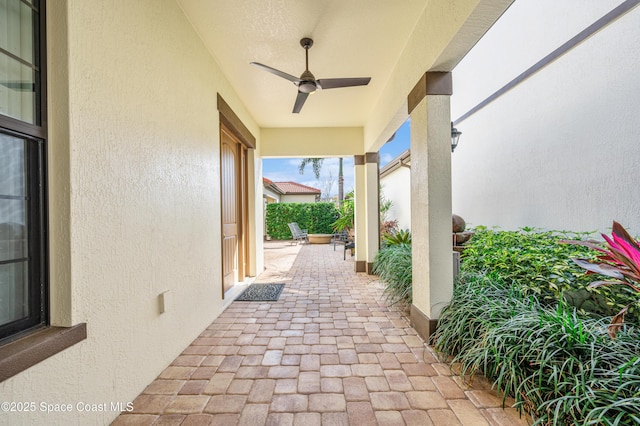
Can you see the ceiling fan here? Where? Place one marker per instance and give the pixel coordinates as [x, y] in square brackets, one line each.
[307, 83]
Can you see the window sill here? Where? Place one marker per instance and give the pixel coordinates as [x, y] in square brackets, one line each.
[24, 353]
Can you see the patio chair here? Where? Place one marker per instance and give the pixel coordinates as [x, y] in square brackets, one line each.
[299, 235]
[341, 237]
[349, 245]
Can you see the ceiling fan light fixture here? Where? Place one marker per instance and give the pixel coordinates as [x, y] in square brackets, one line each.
[307, 86]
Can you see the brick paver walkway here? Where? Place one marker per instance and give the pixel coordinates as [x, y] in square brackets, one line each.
[329, 352]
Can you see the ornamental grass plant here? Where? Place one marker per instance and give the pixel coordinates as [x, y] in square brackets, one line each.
[560, 366]
[393, 265]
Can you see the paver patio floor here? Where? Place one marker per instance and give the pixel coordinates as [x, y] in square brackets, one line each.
[328, 352]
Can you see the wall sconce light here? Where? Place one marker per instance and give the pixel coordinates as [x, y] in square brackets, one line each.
[455, 135]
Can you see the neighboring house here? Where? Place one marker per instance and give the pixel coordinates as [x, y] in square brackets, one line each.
[269, 192]
[289, 192]
[395, 184]
[549, 109]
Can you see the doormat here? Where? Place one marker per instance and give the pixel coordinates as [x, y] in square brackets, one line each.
[261, 293]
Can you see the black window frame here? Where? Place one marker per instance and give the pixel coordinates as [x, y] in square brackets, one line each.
[35, 136]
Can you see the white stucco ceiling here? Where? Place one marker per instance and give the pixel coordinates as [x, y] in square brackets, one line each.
[352, 38]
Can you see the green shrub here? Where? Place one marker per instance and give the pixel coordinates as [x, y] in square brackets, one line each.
[535, 260]
[316, 218]
[400, 236]
[540, 265]
[619, 261]
[345, 219]
[393, 265]
[559, 366]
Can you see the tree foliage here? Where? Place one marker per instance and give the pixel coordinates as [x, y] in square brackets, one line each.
[316, 164]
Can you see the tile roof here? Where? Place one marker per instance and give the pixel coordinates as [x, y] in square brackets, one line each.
[289, 187]
[295, 188]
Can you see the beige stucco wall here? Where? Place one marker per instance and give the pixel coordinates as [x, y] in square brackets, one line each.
[431, 205]
[360, 212]
[311, 142]
[298, 198]
[134, 190]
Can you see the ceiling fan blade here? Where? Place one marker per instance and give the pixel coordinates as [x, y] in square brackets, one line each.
[333, 83]
[299, 101]
[277, 72]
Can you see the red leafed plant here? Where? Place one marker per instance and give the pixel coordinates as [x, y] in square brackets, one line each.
[619, 259]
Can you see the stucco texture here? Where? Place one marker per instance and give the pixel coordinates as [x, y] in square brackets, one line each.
[560, 150]
[138, 156]
[298, 198]
[396, 187]
[431, 205]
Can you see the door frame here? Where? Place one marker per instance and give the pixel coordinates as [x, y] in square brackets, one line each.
[231, 124]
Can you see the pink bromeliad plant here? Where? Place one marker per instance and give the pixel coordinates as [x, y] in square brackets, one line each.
[619, 259]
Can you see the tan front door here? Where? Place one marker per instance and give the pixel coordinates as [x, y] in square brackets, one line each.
[230, 151]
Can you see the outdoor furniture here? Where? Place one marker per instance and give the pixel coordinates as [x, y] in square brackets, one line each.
[351, 245]
[341, 237]
[299, 235]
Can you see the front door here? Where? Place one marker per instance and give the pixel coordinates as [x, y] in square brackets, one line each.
[231, 206]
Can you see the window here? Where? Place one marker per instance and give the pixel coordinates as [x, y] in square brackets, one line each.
[23, 267]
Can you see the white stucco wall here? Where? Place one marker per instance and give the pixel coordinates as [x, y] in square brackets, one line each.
[134, 190]
[396, 187]
[560, 150]
[272, 197]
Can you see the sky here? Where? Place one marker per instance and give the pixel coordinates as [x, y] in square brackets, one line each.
[286, 169]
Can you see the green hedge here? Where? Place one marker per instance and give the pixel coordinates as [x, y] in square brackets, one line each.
[316, 218]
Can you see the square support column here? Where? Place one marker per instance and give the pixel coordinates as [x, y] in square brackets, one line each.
[372, 185]
[360, 214]
[431, 201]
